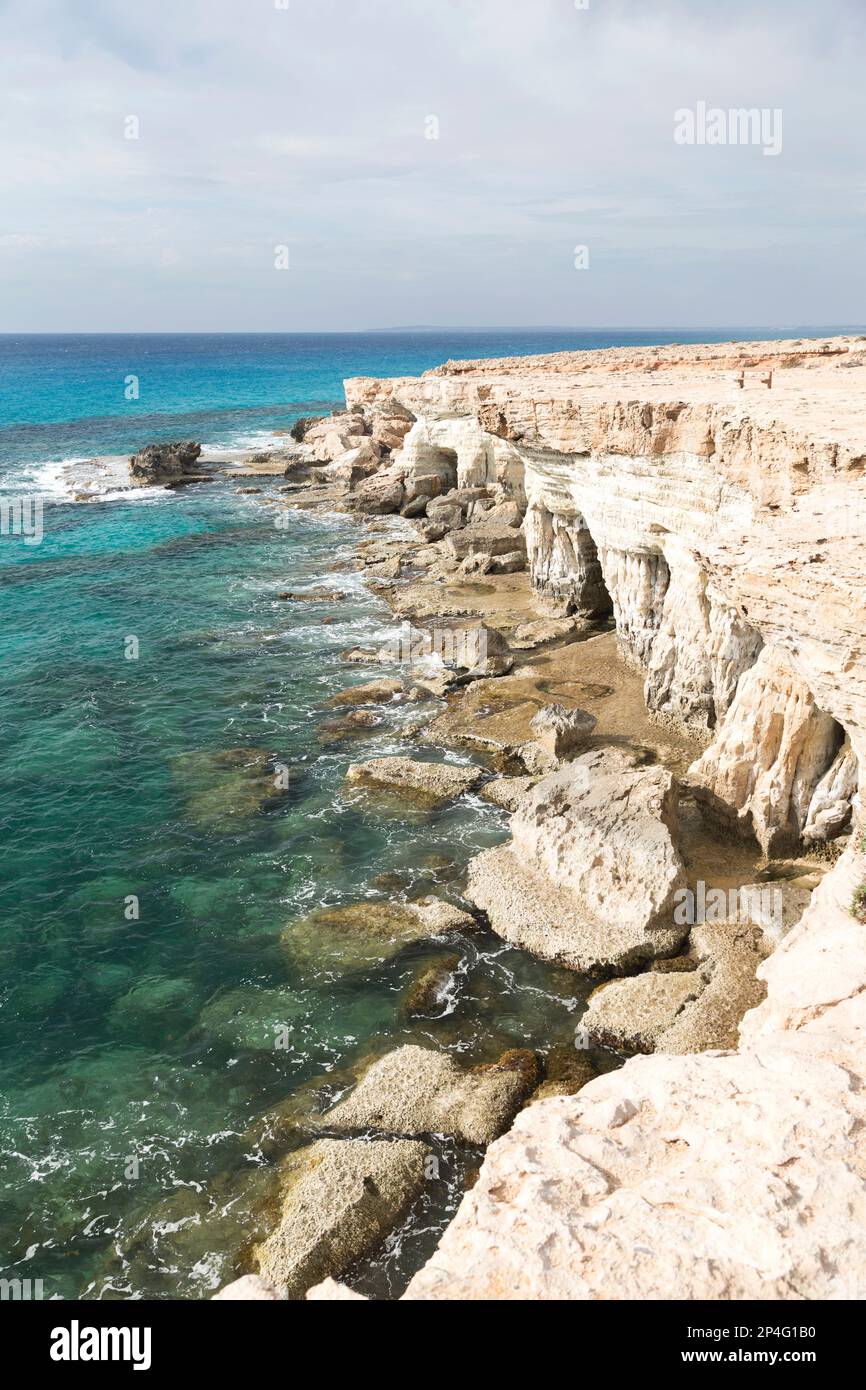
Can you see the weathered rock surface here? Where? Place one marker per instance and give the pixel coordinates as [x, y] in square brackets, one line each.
[164, 464]
[340, 1198]
[770, 757]
[590, 875]
[507, 791]
[428, 784]
[415, 1091]
[370, 693]
[727, 1175]
[562, 732]
[709, 521]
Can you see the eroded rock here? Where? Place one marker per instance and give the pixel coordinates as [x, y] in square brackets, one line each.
[340, 1198]
[590, 876]
[428, 784]
[415, 1091]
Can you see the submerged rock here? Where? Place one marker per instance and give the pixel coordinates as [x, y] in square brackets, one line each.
[340, 1199]
[223, 783]
[428, 990]
[360, 935]
[252, 1018]
[590, 876]
[352, 725]
[415, 1091]
[429, 784]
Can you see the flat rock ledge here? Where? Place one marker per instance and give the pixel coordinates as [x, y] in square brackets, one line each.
[340, 1198]
[590, 876]
[428, 784]
[693, 1003]
[722, 1175]
[415, 1091]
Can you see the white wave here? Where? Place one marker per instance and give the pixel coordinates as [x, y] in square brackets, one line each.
[81, 479]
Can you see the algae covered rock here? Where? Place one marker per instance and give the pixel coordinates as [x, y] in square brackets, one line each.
[357, 936]
[427, 784]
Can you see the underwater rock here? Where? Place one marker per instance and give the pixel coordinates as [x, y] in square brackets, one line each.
[352, 725]
[359, 935]
[426, 992]
[252, 1018]
[223, 783]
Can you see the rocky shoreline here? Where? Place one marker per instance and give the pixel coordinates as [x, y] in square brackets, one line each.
[634, 591]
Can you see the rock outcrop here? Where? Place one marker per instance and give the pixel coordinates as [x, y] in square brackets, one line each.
[165, 465]
[722, 531]
[590, 875]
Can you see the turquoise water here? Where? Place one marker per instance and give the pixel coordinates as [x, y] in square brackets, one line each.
[150, 862]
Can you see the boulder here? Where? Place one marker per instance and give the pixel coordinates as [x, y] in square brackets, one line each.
[164, 464]
[429, 784]
[429, 989]
[339, 1200]
[631, 1015]
[590, 877]
[481, 538]
[415, 1091]
[381, 494]
[389, 425]
[562, 732]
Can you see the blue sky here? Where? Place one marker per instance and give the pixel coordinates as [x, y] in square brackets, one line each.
[306, 127]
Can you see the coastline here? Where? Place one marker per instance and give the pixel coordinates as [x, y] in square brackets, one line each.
[580, 561]
[703, 1017]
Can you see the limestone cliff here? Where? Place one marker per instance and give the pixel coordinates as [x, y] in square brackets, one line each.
[712, 500]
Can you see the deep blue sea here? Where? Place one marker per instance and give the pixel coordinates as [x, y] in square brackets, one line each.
[147, 872]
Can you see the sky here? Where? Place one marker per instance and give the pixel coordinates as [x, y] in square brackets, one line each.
[428, 162]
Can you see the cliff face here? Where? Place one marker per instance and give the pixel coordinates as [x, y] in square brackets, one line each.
[723, 527]
[714, 523]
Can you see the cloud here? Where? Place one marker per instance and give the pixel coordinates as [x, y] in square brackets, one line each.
[309, 126]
